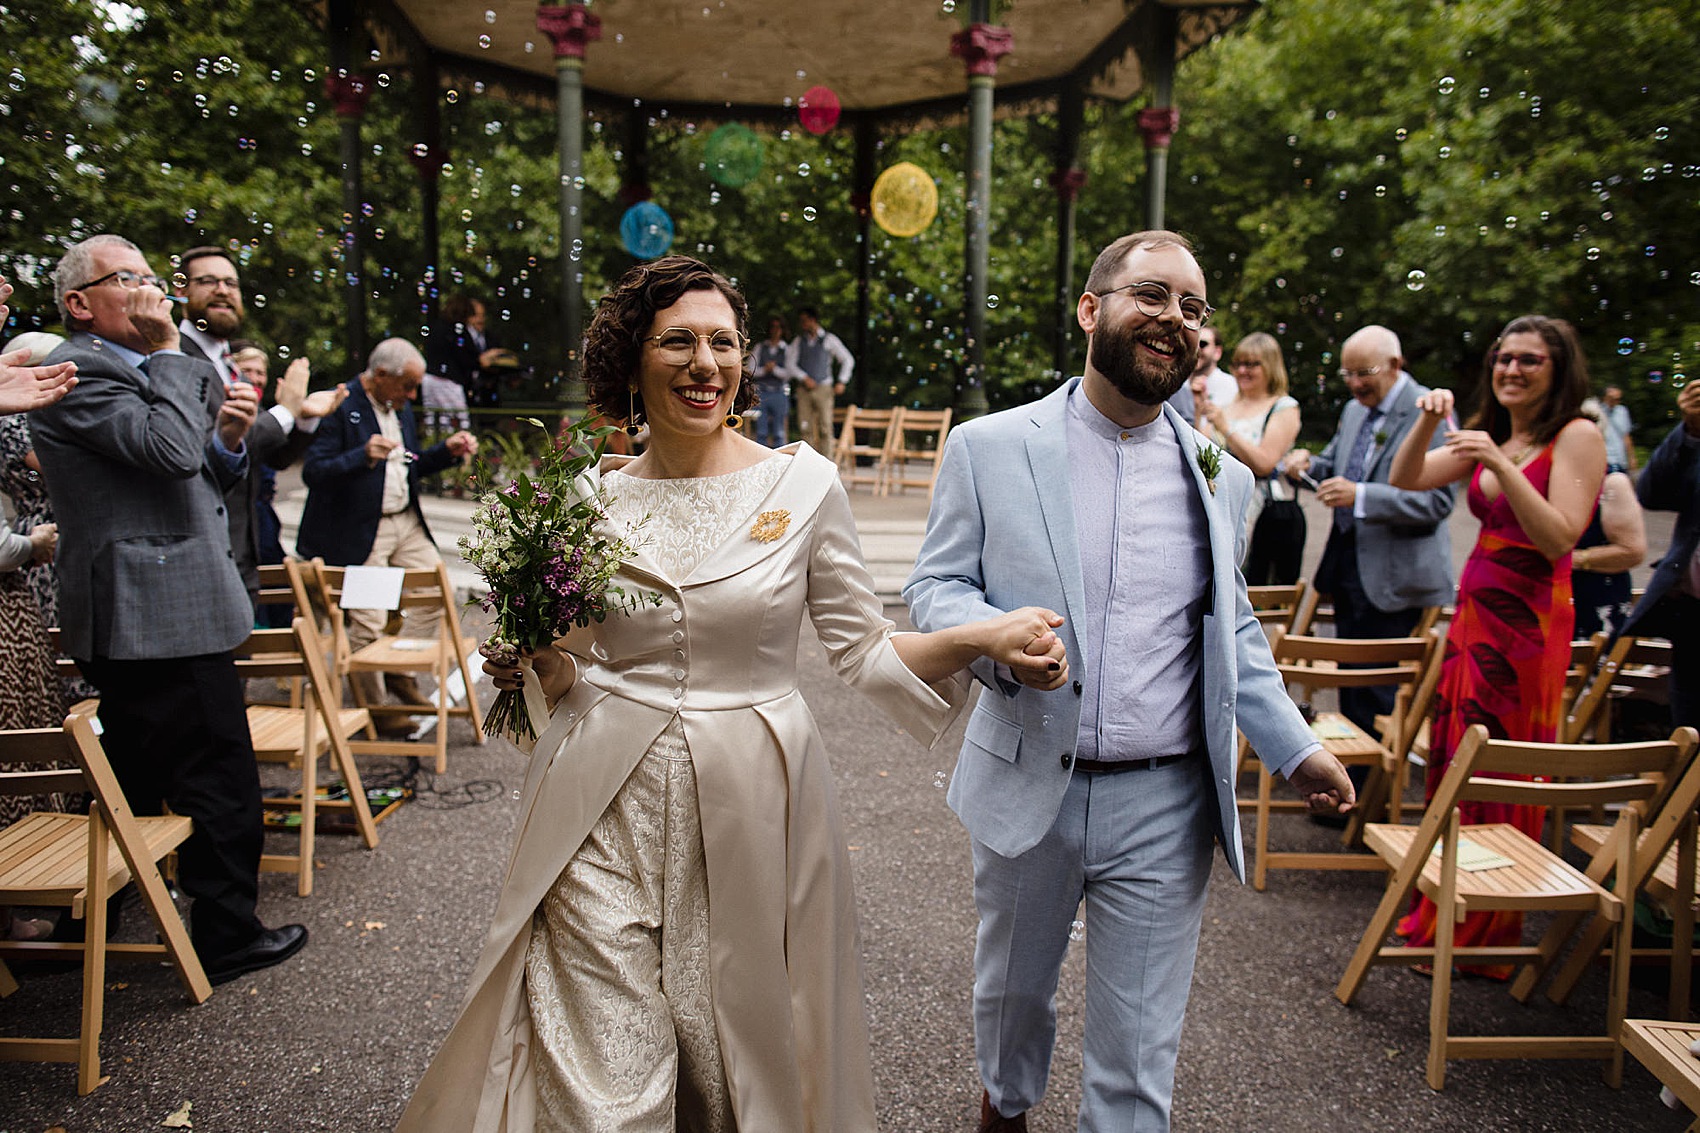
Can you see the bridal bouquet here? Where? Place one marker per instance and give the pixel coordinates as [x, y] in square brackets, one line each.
[547, 566]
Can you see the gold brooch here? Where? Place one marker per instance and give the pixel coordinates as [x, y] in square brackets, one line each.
[770, 525]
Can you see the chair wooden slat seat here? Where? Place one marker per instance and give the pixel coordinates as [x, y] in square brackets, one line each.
[1535, 879]
[440, 657]
[77, 862]
[1428, 857]
[1662, 1047]
[44, 857]
[1307, 663]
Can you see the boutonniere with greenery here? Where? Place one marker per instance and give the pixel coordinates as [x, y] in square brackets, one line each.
[1380, 437]
[1210, 463]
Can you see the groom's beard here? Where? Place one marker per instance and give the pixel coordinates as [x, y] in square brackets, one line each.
[1139, 377]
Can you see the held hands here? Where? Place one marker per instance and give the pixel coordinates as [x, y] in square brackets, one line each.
[1326, 787]
[236, 415]
[1023, 640]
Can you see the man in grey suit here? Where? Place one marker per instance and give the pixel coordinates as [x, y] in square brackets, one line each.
[153, 603]
[1389, 553]
[1100, 502]
[213, 313]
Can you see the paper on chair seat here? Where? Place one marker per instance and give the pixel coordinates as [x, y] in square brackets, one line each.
[1333, 730]
[414, 644]
[371, 588]
[1474, 857]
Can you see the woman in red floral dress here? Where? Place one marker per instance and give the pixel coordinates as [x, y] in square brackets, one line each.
[1535, 467]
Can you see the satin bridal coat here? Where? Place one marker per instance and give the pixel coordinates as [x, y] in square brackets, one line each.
[784, 954]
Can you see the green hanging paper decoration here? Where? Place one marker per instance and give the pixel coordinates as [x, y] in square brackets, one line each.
[733, 154]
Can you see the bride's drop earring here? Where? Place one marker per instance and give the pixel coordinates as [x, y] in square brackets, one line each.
[633, 426]
[733, 421]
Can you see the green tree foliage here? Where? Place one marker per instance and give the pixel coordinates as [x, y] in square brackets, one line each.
[1439, 166]
[1444, 167]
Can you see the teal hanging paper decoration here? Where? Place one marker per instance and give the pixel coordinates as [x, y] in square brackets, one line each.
[646, 230]
[733, 154]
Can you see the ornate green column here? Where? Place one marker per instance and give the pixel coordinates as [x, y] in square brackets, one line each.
[1068, 179]
[979, 45]
[1159, 121]
[862, 200]
[571, 27]
[349, 91]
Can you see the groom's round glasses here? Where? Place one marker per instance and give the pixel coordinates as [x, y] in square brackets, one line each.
[1152, 299]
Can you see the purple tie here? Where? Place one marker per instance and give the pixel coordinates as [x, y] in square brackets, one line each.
[1354, 470]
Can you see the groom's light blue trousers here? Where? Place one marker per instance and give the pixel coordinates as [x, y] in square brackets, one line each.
[1135, 846]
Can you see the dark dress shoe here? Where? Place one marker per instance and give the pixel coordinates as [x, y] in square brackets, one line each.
[991, 1121]
[272, 946]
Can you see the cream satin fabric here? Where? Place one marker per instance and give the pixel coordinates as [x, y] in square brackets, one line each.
[780, 896]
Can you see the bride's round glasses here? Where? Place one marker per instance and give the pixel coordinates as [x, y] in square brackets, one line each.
[677, 346]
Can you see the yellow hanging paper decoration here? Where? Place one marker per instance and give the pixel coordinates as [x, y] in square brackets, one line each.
[905, 200]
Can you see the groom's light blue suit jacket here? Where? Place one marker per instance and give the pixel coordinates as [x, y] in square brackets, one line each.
[1001, 535]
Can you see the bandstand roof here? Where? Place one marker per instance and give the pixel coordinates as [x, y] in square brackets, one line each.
[885, 57]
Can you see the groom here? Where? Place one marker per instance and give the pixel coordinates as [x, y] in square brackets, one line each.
[1100, 502]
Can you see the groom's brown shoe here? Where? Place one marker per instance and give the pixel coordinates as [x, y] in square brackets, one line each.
[991, 1121]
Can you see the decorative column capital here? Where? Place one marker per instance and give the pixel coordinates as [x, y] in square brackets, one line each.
[570, 27]
[1068, 183]
[980, 46]
[1158, 124]
[350, 93]
[428, 160]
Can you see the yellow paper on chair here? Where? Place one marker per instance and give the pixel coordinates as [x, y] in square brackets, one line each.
[1473, 857]
[1334, 730]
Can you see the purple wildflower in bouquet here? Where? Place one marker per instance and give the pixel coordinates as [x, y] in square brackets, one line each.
[548, 565]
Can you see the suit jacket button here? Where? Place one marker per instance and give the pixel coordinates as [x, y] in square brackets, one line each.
[1067, 761]
[1077, 688]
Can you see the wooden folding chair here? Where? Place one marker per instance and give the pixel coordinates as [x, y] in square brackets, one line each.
[442, 657]
[868, 434]
[1663, 868]
[78, 861]
[926, 428]
[1634, 666]
[1277, 606]
[1513, 871]
[301, 735]
[1406, 731]
[1310, 663]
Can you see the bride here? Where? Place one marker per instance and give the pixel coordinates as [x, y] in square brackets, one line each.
[675, 945]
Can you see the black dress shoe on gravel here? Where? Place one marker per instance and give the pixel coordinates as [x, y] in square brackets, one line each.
[272, 946]
[991, 1121]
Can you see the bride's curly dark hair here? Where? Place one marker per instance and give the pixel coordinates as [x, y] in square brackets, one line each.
[614, 341]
